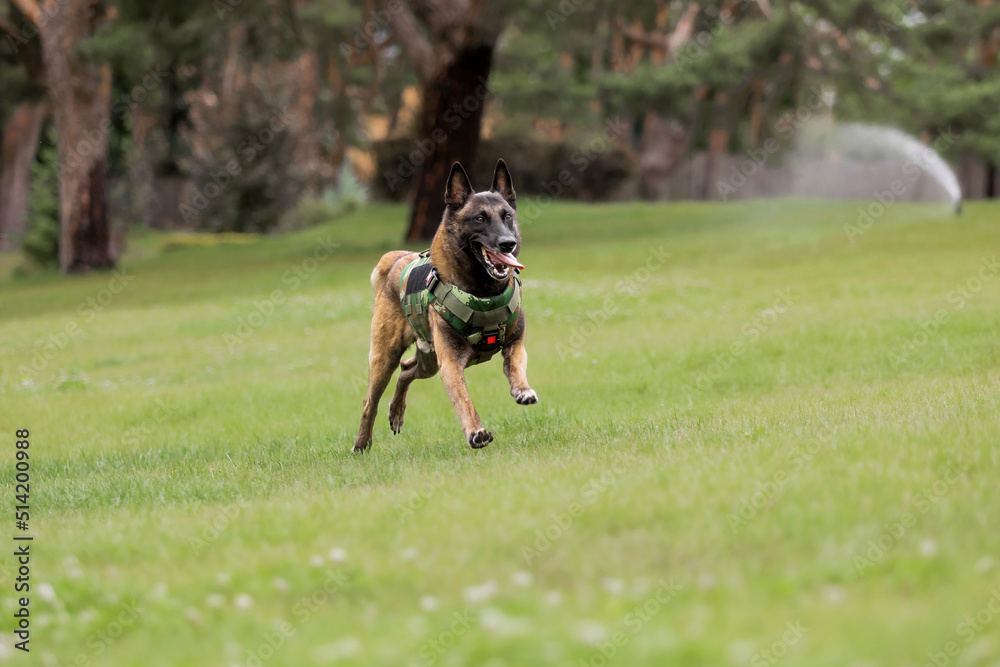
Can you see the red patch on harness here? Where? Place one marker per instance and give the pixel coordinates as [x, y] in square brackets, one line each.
[491, 340]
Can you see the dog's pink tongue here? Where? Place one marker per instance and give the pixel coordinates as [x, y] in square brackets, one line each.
[505, 258]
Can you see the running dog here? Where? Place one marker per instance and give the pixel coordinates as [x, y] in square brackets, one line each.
[460, 302]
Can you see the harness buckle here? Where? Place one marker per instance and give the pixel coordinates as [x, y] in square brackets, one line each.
[491, 338]
[432, 280]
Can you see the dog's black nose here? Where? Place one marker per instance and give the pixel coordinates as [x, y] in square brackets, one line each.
[508, 244]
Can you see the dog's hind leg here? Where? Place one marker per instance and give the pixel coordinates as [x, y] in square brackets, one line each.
[386, 350]
[422, 366]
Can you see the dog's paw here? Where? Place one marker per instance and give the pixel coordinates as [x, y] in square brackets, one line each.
[396, 418]
[480, 438]
[360, 445]
[524, 396]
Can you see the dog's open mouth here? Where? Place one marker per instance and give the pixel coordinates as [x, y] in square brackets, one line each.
[498, 264]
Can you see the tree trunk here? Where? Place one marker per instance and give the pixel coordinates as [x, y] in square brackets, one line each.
[306, 153]
[718, 147]
[145, 203]
[91, 236]
[451, 121]
[663, 147]
[20, 144]
[80, 92]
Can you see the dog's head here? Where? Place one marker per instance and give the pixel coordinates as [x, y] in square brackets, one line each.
[484, 224]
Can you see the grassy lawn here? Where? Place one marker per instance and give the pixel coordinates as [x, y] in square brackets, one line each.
[758, 442]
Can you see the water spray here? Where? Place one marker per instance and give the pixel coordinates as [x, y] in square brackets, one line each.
[870, 141]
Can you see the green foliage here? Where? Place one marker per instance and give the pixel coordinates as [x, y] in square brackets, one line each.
[348, 196]
[921, 67]
[16, 84]
[241, 168]
[309, 212]
[918, 66]
[41, 240]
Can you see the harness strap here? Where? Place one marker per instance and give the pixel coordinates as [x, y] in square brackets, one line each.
[421, 291]
[477, 318]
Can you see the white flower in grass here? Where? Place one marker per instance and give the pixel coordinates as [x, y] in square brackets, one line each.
[409, 553]
[552, 598]
[706, 581]
[159, 592]
[215, 600]
[495, 621]
[316, 560]
[280, 584]
[480, 593]
[234, 650]
[984, 565]
[193, 615]
[591, 632]
[928, 548]
[46, 592]
[834, 594]
[417, 625]
[345, 647]
[741, 651]
[72, 566]
[428, 603]
[88, 615]
[614, 586]
[521, 578]
[243, 602]
[222, 578]
[337, 555]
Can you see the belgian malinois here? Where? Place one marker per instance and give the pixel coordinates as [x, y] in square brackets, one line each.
[460, 303]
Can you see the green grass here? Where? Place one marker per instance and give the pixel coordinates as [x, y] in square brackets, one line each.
[209, 483]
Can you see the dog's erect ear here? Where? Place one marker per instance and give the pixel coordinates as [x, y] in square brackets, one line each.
[459, 188]
[502, 183]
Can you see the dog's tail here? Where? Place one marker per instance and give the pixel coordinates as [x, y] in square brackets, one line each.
[383, 268]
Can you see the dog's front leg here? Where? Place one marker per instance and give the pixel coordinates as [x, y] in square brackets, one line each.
[452, 357]
[515, 366]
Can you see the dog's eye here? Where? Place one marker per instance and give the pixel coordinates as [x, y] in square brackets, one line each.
[506, 216]
[480, 218]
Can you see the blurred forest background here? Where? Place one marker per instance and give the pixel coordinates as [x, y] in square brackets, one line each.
[273, 115]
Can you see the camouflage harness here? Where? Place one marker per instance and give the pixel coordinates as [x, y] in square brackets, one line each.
[484, 323]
